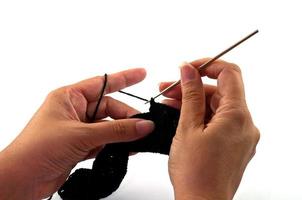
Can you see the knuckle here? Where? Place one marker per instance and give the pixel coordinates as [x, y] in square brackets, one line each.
[240, 116]
[182, 127]
[119, 129]
[58, 92]
[85, 136]
[231, 67]
[257, 135]
[235, 67]
[53, 94]
[254, 139]
[191, 94]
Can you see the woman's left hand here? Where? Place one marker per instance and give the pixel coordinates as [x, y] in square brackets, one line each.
[59, 136]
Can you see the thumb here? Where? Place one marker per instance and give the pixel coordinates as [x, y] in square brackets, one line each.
[193, 97]
[122, 130]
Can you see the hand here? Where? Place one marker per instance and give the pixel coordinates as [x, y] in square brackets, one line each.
[215, 137]
[58, 136]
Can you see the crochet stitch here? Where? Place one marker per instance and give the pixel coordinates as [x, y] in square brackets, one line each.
[110, 165]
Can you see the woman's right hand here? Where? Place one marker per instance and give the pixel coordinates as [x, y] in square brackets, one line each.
[215, 138]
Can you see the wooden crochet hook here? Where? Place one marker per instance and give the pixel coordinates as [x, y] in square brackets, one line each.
[209, 62]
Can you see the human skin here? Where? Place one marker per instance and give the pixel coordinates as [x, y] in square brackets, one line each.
[214, 141]
[215, 138]
[59, 136]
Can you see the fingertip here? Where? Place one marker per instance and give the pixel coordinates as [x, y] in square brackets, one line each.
[188, 72]
[142, 71]
[163, 85]
[144, 127]
[193, 99]
[136, 74]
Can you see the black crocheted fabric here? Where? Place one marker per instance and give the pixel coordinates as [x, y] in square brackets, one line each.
[110, 165]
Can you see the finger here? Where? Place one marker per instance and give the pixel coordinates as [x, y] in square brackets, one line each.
[211, 102]
[111, 107]
[122, 130]
[91, 88]
[193, 98]
[229, 79]
[175, 93]
[173, 103]
[197, 63]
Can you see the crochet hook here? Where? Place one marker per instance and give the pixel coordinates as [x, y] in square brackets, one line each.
[209, 62]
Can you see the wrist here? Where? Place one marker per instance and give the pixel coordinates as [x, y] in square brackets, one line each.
[13, 180]
[197, 197]
[189, 195]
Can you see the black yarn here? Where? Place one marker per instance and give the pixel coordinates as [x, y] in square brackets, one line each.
[91, 119]
[132, 95]
[99, 100]
[110, 165]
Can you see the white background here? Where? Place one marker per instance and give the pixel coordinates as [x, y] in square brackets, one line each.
[48, 44]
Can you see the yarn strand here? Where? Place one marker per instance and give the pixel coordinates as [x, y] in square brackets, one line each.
[96, 107]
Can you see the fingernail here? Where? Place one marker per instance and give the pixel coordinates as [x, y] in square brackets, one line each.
[187, 72]
[144, 127]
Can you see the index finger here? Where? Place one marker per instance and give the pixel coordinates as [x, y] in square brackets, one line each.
[175, 93]
[229, 79]
[91, 88]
